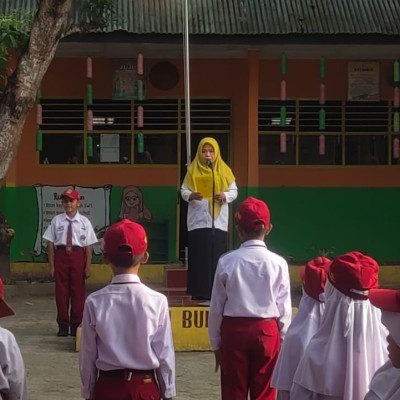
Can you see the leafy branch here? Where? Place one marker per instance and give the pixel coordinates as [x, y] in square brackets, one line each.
[14, 34]
[15, 29]
[99, 13]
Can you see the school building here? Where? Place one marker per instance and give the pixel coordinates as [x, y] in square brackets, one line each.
[302, 97]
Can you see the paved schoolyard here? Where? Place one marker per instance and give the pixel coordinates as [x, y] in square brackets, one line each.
[52, 363]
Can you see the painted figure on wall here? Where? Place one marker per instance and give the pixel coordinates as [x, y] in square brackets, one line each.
[133, 207]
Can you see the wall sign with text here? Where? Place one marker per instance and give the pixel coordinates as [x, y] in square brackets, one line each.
[127, 84]
[363, 81]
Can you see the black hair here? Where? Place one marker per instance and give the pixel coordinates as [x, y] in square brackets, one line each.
[251, 234]
[124, 260]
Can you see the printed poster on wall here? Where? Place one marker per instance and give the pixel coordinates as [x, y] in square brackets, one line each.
[95, 205]
[125, 79]
[363, 81]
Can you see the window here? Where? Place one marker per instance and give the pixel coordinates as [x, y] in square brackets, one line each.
[271, 154]
[269, 117]
[367, 133]
[356, 133]
[111, 149]
[62, 125]
[116, 137]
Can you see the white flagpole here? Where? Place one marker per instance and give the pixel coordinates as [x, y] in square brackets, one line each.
[187, 81]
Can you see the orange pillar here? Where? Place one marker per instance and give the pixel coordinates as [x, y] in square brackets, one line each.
[252, 123]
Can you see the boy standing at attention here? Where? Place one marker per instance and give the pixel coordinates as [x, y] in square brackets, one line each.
[70, 237]
[126, 331]
[250, 308]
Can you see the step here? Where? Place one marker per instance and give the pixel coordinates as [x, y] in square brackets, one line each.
[171, 291]
[175, 277]
[177, 296]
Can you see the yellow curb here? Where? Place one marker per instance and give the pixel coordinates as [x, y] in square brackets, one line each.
[190, 328]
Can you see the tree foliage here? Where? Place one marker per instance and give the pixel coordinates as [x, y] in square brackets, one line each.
[15, 29]
[98, 13]
[31, 38]
[14, 34]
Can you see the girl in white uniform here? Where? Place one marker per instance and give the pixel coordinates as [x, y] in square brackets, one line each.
[350, 345]
[385, 384]
[304, 325]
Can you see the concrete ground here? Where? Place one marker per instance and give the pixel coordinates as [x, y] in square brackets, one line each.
[52, 363]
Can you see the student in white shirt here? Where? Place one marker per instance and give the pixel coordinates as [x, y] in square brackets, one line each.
[385, 384]
[126, 337]
[250, 308]
[12, 368]
[350, 345]
[70, 237]
[304, 325]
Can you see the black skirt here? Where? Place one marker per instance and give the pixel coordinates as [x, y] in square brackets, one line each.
[205, 248]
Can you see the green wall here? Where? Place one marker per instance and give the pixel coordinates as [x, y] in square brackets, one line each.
[310, 221]
[19, 204]
[307, 221]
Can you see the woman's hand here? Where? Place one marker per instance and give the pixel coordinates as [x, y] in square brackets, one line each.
[220, 198]
[195, 196]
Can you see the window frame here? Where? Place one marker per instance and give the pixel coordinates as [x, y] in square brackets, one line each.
[177, 127]
[342, 132]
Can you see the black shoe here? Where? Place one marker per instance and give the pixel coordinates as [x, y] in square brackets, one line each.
[62, 331]
[73, 330]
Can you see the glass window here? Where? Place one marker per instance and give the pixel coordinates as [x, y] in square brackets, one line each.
[115, 129]
[269, 149]
[309, 147]
[359, 130]
[157, 149]
[111, 148]
[64, 148]
[366, 149]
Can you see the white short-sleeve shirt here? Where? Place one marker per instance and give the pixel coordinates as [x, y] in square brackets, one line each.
[82, 231]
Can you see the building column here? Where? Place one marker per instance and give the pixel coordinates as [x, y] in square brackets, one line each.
[253, 64]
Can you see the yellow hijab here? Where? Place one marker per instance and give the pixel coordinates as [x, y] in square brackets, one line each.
[199, 176]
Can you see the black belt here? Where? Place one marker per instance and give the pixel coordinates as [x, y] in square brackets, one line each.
[123, 373]
[73, 248]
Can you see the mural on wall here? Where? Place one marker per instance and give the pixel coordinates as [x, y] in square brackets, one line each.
[95, 205]
[133, 207]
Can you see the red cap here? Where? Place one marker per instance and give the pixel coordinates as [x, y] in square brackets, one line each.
[125, 233]
[354, 274]
[253, 214]
[5, 309]
[71, 193]
[314, 275]
[385, 299]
